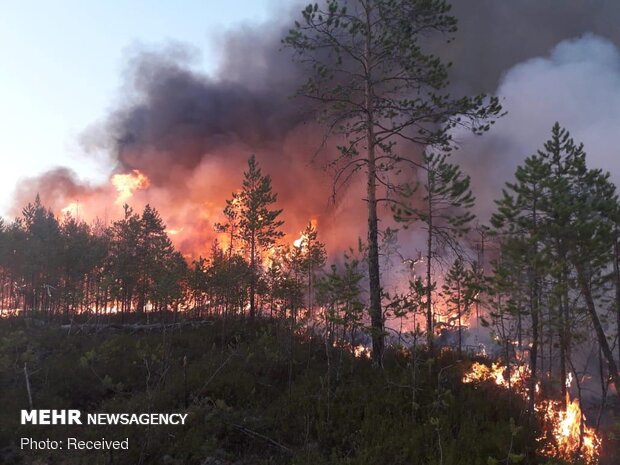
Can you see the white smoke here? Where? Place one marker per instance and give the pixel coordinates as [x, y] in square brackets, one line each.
[578, 85]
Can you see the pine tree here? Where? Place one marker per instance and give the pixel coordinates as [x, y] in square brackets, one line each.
[78, 262]
[444, 212]
[145, 267]
[460, 289]
[518, 223]
[375, 85]
[556, 224]
[122, 264]
[197, 283]
[14, 255]
[258, 223]
[160, 266]
[339, 292]
[312, 259]
[230, 227]
[561, 153]
[594, 207]
[42, 256]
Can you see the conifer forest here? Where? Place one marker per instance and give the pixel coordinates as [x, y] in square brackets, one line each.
[362, 242]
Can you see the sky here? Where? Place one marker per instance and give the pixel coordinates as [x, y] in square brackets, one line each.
[61, 66]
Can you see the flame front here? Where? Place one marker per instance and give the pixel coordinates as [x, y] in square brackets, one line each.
[497, 373]
[565, 435]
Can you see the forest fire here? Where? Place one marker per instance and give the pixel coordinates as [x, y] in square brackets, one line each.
[497, 373]
[304, 236]
[191, 218]
[179, 266]
[361, 351]
[127, 184]
[565, 435]
[569, 436]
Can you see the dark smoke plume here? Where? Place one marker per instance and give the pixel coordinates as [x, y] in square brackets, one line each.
[191, 134]
[60, 184]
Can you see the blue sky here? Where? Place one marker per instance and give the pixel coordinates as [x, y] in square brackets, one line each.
[61, 65]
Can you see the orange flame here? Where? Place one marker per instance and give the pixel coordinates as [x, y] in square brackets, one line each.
[127, 184]
[303, 238]
[497, 373]
[570, 436]
[174, 232]
[566, 435]
[361, 351]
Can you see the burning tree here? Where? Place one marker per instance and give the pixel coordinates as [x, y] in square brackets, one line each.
[376, 86]
[258, 226]
[311, 256]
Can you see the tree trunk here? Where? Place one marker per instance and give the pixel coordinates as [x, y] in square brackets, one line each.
[534, 312]
[562, 355]
[564, 329]
[376, 315]
[598, 328]
[252, 277]
[459, 315]
[533, 353]
[429, 290]
[617, 281]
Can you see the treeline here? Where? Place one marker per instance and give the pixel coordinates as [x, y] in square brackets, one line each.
[66, 267]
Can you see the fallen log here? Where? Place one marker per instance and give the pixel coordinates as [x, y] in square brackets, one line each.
[132, 327]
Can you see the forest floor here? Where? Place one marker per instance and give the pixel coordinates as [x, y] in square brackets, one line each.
[253, 395]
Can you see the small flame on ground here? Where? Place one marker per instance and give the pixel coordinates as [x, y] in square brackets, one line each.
[497, 373]
[10, 312]
[566, 435]
[361, 351]
[571, 436]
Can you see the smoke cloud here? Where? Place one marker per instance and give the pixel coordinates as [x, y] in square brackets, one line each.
[191, 134]
[495, 36]
[578, 85]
